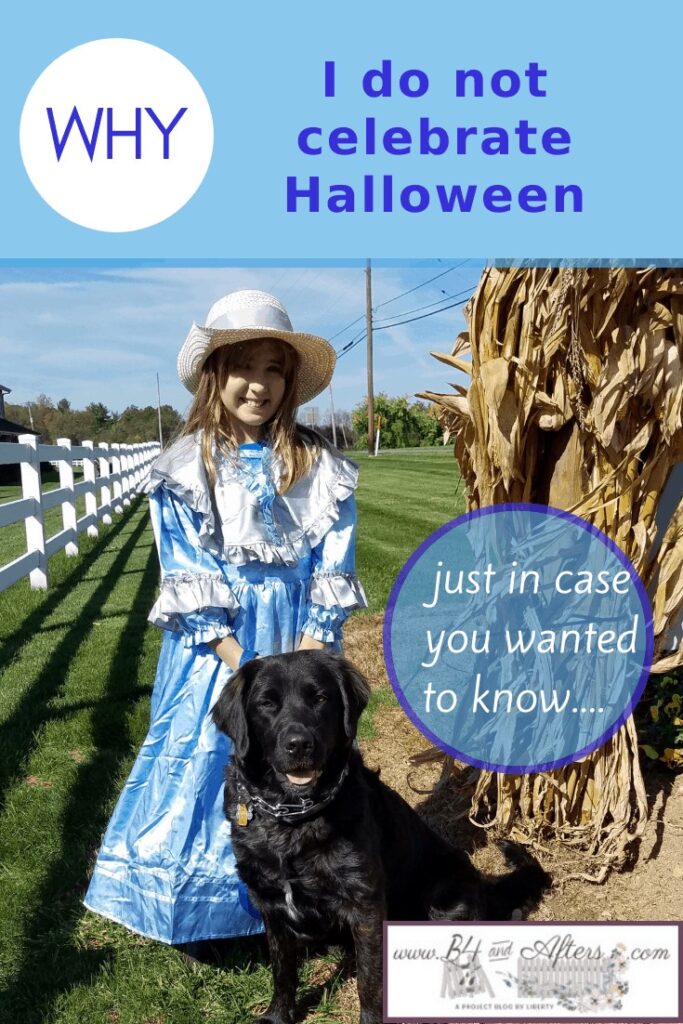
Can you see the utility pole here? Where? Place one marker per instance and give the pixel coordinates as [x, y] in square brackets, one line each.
[334, 425]
[368, 329]
[161, 435]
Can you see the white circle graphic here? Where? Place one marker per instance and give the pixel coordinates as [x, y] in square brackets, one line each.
[116, 135]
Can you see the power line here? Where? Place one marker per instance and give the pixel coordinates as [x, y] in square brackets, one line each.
[351, 344]
[422, 285]
[383, 327]
[428, 305]
[290, 288]
[400, 296]
[423, 316]
[357, 320]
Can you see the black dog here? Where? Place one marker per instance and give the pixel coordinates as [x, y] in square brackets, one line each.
[322, 844]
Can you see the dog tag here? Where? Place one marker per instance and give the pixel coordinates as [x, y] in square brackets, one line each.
[243, 814]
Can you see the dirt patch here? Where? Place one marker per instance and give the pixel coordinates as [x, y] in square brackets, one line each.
[649, 889]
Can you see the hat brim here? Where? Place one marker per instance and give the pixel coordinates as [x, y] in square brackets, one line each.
[317, 358]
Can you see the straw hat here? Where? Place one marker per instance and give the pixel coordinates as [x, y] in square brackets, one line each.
[246, 316]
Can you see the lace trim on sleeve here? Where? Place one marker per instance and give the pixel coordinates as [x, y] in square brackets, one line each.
[188, 592]
[337, 590]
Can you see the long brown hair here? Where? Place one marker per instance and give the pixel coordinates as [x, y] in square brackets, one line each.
[209, 416]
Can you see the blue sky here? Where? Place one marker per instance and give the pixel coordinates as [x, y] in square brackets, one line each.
[102, 333]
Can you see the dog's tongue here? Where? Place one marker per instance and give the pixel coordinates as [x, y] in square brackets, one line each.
[302, 778]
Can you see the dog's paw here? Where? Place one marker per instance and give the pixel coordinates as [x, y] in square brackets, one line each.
[273, 1016]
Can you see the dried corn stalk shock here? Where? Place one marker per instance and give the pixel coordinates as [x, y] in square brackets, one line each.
[575, 401]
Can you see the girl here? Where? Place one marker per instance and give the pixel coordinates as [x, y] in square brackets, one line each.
[254, 520]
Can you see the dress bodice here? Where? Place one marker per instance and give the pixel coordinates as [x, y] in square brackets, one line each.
[244, 519]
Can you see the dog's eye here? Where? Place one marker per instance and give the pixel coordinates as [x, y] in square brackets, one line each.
[319, 698]
[269, 700]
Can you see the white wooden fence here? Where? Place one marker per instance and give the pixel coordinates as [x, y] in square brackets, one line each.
[112, 474]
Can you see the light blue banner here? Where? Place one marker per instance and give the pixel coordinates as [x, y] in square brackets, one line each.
[588, 92]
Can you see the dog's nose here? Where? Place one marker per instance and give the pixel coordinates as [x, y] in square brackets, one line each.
[298, 744]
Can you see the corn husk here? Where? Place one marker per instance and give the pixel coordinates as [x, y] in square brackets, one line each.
[575, 400]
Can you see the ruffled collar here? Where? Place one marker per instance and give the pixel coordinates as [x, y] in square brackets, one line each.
[304, 513]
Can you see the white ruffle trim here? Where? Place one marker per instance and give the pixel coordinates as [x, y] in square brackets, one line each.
[191, 592]
[342, 487]
[181, 470]
[325, 636]
[337, 590]
[197, 498]
[205, 634]
[270, 554]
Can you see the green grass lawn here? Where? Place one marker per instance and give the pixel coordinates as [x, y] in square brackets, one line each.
[77, 665]
[401, 498]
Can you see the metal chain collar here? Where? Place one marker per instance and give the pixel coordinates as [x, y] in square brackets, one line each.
[286, 812]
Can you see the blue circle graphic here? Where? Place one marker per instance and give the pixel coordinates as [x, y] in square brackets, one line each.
[518, 638]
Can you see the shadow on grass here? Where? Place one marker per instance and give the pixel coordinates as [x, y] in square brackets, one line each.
[18, 734]
[52, 964]
[35, 620]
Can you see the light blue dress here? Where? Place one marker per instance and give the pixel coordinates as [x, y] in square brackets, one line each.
[244, 560]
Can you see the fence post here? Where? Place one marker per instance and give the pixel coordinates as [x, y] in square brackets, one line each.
[144, 464]
[34, 525]
[104, 483]
[116, 473]
[133, 457]
[125, 470]
[138, 466]
[90, 495]
[66, 480]
[133, 470]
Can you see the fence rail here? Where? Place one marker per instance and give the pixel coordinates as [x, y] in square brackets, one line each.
[542, 978]
[112, 475]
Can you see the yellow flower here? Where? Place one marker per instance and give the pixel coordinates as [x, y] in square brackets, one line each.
[672, 757]
[654, 711]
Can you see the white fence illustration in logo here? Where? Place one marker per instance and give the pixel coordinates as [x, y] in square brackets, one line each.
[540, 977]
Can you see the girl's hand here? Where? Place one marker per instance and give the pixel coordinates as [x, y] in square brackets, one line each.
[229, 651]
[307, 643]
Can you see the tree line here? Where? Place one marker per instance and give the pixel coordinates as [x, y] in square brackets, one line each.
[94, 423]
[403, 423]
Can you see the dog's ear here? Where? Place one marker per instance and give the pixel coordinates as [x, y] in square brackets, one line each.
[355, 691]
[229, 712]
